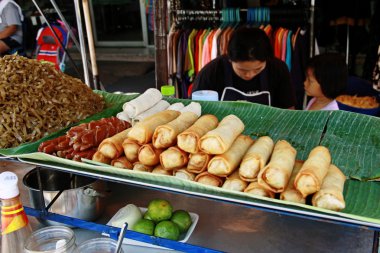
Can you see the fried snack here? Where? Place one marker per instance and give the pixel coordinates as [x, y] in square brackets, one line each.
[198, 162]
[184, 174]
[141, 167]
[235, 183]
[188, 140]
[276, 174]
[256, 158]
[193, 107]
[159, 170]
[291, 193]
[99, 157]
[131, 150]
[173, 158]
[220, 139]
[366, 102]
[309, 179]
[209, 179]
[149, 155]
[225, 164]
[331, 194]
[166, 135]
[122, 162]
[255, 189]
[112, 147]
[37, 100]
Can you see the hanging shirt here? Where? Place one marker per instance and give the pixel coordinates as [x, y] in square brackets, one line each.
[332, 106]
[10, 14]
[275, 74]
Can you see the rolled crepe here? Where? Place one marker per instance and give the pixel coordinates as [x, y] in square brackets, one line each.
[143, 131]
[291, 194]
[160, 106]
[184, 174]
[149, 155]
[198, 162]
[330, 196]
[142, 103]
[176, 107]
[193, 107]
[113, 147]
[173, 158]
[235, 183]
[124, 116]
[131, 150]
[166, 135]
[209, 179]
[276, 174]
[159, 170]
[141, 167]
[256, 158]
[188, 140]
[255, 189]
[99, 157]
[313, 171]
[220, 139]
[225, 164]
[122, 162]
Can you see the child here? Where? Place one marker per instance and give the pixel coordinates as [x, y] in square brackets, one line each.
[326, 78]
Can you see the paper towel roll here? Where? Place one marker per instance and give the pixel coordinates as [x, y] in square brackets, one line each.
[205, 95]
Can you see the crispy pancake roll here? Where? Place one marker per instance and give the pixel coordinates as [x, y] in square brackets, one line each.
[173, 158]
[159, 170]
[188, 140]
[276, 174]
[256, 158]
[255, 189]
[122, 162]
[220, 139]
[99, 157]
[225, 164]
[141, 167]
[291, 193]
[166, 135]
[313, 171]
[198, 162]
[131, 150]
[184, 174]
[235, 183]
[112, 147]
[143, 131]
[209, 179]
[330, 196]
[149, 155]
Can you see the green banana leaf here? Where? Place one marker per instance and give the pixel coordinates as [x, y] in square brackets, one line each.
[354, 142]
[114, 103]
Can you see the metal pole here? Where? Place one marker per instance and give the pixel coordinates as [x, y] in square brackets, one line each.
[311, 41]
[348, 44]
[160, 31]
[82, 44]
[57, 38]
[91, 46]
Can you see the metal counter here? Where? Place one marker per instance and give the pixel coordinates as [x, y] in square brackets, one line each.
[231, 227]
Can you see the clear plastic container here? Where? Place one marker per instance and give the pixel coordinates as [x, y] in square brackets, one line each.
[98, 245]
[54, 239]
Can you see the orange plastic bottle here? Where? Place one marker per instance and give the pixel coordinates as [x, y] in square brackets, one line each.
[15, 227]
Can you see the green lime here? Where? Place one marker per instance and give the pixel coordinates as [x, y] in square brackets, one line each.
[147, 216]
[144, 226]
[182, 219]
[159, 210]
[167, 229]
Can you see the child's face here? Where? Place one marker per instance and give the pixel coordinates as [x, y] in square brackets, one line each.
[312, 87]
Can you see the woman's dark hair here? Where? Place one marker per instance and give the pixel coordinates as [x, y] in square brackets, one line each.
[330, 70]
[249, 44]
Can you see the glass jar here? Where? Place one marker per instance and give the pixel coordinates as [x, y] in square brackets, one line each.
[98, 245]
[53, 239]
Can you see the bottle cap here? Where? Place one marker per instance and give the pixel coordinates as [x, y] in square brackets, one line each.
[168, 90]
[8, 185]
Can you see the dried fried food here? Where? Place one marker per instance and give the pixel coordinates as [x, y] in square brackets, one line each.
[36, 100]
[366, 102]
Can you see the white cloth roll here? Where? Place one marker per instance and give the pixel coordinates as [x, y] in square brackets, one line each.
[176, 107]
[143, 102]
[124, 116]
[193, 107]
[160, 106]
